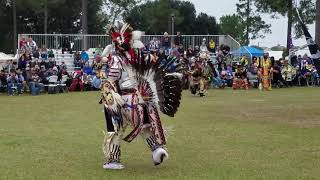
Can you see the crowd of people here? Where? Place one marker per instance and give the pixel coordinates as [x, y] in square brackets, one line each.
[36, 71]
[207, 65]
[259, 72]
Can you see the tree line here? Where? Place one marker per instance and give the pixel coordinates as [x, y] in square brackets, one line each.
[154, 17]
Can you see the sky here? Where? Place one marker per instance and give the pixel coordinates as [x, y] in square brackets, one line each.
[219, 8]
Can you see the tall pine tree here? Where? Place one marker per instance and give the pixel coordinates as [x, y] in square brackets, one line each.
[255, 27]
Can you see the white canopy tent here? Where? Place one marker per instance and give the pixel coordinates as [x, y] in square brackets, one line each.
[5, 57]
[276, 54]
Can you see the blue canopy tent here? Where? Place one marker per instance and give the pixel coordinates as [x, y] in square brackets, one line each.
[248, 51]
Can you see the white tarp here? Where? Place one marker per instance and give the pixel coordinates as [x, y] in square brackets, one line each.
[5, 57]
[276, 54]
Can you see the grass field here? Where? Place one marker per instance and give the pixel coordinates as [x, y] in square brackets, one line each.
[226, 135]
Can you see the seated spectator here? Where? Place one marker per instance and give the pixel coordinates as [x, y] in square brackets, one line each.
[43, 75]
[34, 85]
[22, 63]
[244, 61]
[84, 56]
[77, 60]
[96, 83]
[229, 75]
[55, 71]
[22, 80]
[27, 74]
[181, 50]
[50, 53]
[63, 65]
[77, 82]
[87, 82]
[161, 54]
[87, 69]
[277, 80]
[97, 57]
[14, 83]
[44, 53]
[51, 63]
[36, 54]
[216, 78]
[3, 80]
[190, 52]
[45, 64]
[253, 75]
[174, 52]
[196, 50]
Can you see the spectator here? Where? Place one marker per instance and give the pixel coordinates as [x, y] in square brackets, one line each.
[203, 47]
[87, 69]
[44, 53]
[22, 63]
[181, 49]
[174, 52]
[84, 56]
[212, 46]
[3, 80]
[162, 54]
[43, 75]
[34, 85]
[96, 82]
[277, 79]
[244, 61]
[63, 66]
[99, 50]
[23, 44]
[51, 63]
[196, 50]
[55, 71]
[178, 39]
[97, 57]
[8, 66]
[77, 83]
[36, 54]
[154, 44]
[32, 44]
[50, 54]
[190, 52]
[66, 45]
[87, 82]
[166, 43]
[14, 83]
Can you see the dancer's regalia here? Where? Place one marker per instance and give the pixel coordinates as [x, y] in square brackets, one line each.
[135, 90]
[265, 74]
[240, 78]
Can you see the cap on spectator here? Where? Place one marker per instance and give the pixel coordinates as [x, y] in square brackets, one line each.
[55, 69]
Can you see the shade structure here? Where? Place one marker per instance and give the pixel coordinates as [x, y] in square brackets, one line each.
[248, 51]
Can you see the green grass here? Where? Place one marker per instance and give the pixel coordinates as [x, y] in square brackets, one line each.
[226, 135]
